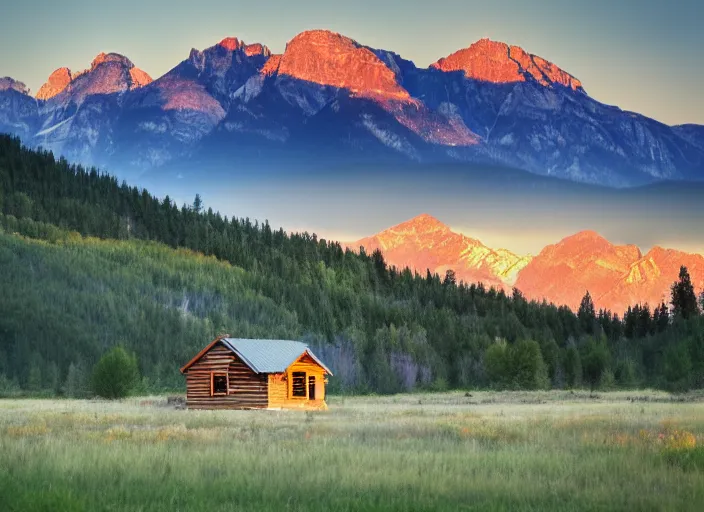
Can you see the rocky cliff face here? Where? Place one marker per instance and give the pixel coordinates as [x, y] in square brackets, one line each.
[329, 98]
[424, 243]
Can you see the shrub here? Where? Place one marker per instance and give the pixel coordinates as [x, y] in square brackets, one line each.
[527, 366]
[116, 375]
[497, 364]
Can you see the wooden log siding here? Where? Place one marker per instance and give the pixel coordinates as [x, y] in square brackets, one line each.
[277, 391]
[312, 369]
[248, 390]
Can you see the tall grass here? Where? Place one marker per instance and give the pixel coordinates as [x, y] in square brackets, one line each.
[490, 451]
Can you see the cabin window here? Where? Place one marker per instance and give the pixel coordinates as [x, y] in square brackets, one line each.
[311, 387]
[218, 383]
[298, 384]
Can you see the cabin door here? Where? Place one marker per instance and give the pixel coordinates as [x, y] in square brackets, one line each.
[311, 387]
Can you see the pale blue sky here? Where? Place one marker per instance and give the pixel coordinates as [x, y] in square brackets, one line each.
[641, 55]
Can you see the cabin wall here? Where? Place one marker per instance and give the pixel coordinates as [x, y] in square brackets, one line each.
[280, 386]
[247, 390]
[278, 390]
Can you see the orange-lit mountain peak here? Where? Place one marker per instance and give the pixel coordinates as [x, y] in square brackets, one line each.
[126, 76]
[256, 49]
[586, 236]
[423, 223]
[650, 278]
[102, 58]
[661, 253]
[586, 261]
[590, 246]
[57, 82]
[484, 60]
[497, 62]
[328, 58]
[231, 44]
[100, 78]
[424, 242]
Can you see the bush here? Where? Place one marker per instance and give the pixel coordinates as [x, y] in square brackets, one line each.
[527, 366]
[497, 364]
[116, 375]
[517, 366]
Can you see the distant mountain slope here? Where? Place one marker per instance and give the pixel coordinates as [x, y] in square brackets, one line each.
[424, 243]
[328, 98]
[616, 276]
[564, 272]
[649, 279]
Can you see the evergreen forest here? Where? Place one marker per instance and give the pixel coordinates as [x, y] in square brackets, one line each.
[88, 263]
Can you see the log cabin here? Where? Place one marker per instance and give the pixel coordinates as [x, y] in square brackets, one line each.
[235, 373]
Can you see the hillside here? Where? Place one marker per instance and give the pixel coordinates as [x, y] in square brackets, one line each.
[145, 282]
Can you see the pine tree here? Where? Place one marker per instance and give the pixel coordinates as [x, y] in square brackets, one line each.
[684, 300]
[644, 321]
[573, 367]
[497, 364]
[450, 278]
[587, 314]
[527, 368]
[663, 317]
[197, 204]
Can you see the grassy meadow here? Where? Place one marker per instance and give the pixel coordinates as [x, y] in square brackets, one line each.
[489, 451]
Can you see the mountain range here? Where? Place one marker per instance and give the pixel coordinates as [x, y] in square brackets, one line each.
[616, 276]
[328, 99]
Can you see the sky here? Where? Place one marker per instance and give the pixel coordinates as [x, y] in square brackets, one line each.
[642, 55]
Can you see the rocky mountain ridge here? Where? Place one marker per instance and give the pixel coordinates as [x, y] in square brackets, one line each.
[617, 276]
[328, 99]
[424, 243]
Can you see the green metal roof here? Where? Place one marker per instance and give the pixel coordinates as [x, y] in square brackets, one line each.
[269, 356]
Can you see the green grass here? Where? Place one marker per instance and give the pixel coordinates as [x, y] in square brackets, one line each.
[489, 451]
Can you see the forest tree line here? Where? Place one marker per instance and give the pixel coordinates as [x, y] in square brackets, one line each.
[88, 263]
